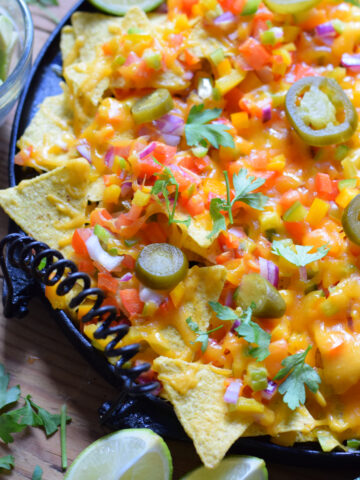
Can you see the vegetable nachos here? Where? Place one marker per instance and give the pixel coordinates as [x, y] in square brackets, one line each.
[202, 166]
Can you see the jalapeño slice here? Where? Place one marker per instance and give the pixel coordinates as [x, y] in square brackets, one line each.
[320, 111]
[351, 220]
[255, 289]
[152, 107]
[290, 6]
[161, 266]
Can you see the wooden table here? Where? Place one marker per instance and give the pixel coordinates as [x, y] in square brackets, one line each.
[43, 362]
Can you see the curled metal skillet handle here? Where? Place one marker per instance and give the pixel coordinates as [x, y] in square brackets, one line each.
[23, 257]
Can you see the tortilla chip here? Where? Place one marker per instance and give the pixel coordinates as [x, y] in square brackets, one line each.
[200, 43]
[196, 392]
[201, 285]
[67, 44]
[286, 420]
[49, 134]
[51, 206]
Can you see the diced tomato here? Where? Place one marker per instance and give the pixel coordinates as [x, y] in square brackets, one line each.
[190, 58]
[254, 53]
[195, 205]
[234, 6]
[86, 266]
[263, 13]
[100, 216]
[194, 164]
[126, 219]
[224, 257]
[184, 177]
[278, 352]
[299, 71]
[297, 230]
[228, 240]
[131, 301]
[166, 307]
[187, 5]
[78, 240]
[107, 282]
[128, 262]
[233, 98]
[289, 198]
[154, 233]
[164, 153]
[325, 187]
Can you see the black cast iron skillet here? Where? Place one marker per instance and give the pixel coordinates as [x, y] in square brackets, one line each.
[134, 406]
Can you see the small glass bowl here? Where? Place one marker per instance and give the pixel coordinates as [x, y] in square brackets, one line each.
[20, 66]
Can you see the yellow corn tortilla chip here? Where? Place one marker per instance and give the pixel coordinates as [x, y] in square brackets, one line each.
[286, 420]
[200, 43]
[67, 44]
[196, 392]
[201, 285]
[51, 206]
[49, 134]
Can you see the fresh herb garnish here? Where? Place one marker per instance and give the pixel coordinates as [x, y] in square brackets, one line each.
[7, 462]
[202, 336]
[37, 473]
[248, 329]
[298, 375]
[223, 312]
[244, 187]
[298, 254]
[165, 180]
[253, 333]
[198, 130]
[63, 419]
[353, 444]
[7, 397]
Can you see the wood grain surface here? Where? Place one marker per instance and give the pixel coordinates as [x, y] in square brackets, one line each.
[43, 362]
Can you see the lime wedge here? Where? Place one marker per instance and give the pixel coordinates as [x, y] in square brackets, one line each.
[120, 7]
[232, 468]
[133, 454]
[8, 39]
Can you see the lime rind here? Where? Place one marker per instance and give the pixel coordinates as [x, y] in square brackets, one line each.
[121, 455]
[240, 467]
[120, 7]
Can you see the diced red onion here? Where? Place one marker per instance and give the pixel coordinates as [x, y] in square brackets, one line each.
[171, 124]
[233, 35]
[148, 295]
[229, 298]
[303, 273]
[235, 325]
[98, 254]
[351, 61]
[84, 149]
[172, 140]
[270, 391]
[325, 30]
[126, 189]
[269, 271]
[266, 113]
[150, 148]
[125, 278]
[188, 75]
[109, 157]
[232, 392]
[237, 231]
[224, 18]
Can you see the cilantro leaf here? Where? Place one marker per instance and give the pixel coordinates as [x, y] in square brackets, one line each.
[300, 255]
[244, 185]
[45, 419]
[298, 375]
[166, 179]
[223, 312]
[9, 425]
[202, 336]
[37, 473]
[219, 224]
[197, 129]
[7, 397]
[253, 333]
[7, 462]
